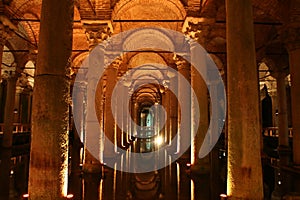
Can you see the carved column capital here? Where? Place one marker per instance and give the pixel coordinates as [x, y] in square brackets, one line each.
[97, 33]
[6, 29]
[9, 73]
[198, 29]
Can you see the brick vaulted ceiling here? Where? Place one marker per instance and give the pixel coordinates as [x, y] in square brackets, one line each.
[270, 17]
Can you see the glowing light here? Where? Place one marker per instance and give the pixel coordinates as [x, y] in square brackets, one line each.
[188, 164]
[279, 182]
[158, 140]
[25, 195]
[193, 159]
[11, 172]
[223, 196]
[70, 196]
[192, 190]
[178, 178]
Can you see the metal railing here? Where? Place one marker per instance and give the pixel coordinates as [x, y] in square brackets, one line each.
[274, 132]
[17, 128]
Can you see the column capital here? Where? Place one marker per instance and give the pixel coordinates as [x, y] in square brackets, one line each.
[181, 63]
[198, 29]
[97, 32]
[290, 35]
[9, 73]
[6, 29]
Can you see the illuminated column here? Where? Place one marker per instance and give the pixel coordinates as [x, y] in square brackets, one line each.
[76, 143]
[6, 147]
[283, 145]
[48, 176]
[125, 111]
[100, 110]
[93, 136]
[118, 127]
[135, 108]
[110, 129]
[184, 95]
[173, 113]
[244, 179]
[167, 125]
[201, 93]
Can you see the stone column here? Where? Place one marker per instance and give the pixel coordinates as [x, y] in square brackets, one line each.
[91, 165]
[125, 117]
[94, 142]
[48, 176]
[118, 127]
[201, 93]
[167, 125]
[184, 95]
[293, 46]
[6, 147]
[173, 114]
[110, 129]
[78, 135]
[244, 179]
[283, 145]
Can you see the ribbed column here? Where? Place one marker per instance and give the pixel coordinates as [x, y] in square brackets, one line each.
[6, 147]
[48, 178]
[244, 179]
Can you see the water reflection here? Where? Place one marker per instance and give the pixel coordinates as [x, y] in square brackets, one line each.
[170, 182]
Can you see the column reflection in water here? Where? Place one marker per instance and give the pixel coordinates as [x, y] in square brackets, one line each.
[169, 183]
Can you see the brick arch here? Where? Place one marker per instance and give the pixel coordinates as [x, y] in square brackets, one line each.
[123, 5]
[145, 10]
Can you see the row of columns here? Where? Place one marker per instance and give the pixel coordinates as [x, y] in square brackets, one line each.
[10, 77]
[49, 150]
